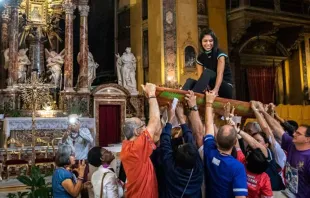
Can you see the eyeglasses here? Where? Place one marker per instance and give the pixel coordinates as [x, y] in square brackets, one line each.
[298, 133]
[140, 127]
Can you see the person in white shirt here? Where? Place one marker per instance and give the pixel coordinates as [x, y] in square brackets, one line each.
[104, 180]
[79, 138]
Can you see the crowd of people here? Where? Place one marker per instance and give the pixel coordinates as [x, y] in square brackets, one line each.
[264, 159]
[267, 158]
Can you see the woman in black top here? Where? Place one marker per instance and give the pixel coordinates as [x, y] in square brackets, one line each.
[212, 68]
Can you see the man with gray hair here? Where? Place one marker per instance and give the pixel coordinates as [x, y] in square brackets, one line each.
[138, 147]
[79, 138]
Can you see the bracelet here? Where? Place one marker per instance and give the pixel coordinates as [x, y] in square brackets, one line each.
[150, 97]
[209, 104]
[80, 178]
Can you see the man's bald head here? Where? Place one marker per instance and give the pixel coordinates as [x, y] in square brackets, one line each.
[226, 137]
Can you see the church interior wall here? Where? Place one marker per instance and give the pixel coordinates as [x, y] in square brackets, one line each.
[279, 90]
[295, 80]
[218, 21]
[187, 24]
[136, 35]
[155, 36]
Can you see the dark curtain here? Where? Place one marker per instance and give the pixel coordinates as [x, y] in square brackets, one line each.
[109, 124]
[261, 82]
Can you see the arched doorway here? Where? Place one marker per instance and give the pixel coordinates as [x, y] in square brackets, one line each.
[259, 69]
[110, 101]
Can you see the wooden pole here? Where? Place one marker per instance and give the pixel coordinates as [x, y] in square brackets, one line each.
[166, 95]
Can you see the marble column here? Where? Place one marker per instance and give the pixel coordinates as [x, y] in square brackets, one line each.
[13, 44]
[83, 57]
[68, 7]
[4, 45]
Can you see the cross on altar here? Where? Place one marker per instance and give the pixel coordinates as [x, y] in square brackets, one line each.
[35, 93]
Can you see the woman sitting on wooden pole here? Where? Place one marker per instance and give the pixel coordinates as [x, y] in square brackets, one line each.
[212, 68]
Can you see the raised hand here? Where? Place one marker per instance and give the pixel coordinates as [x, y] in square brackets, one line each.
[171, 114]
[215, 92]
[180, 113]
[149, 89]
[190, 98]
[260, 106]
[210, 97]
[227, 110]
[81, 168]
[254, 105]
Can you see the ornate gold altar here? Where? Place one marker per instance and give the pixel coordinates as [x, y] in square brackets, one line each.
[30, 44]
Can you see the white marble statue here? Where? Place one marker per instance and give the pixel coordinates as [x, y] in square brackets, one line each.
[55, 62]
[6, 58]
[92, 66]
[126, 70]
[23, 62]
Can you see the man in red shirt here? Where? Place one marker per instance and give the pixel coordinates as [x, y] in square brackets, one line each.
[137, 149]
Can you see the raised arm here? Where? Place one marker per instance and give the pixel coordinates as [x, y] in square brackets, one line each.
[154, 124]
[249, 139]
[86, 135]
[194, 118]
[209, 113]
[253, 143]
[165, 140]
[260, 119]
[70, 187]
[274, 124]
[279, 153]
[186, 131]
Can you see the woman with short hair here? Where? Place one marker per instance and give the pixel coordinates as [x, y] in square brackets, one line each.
[104, 180]
[64, 182]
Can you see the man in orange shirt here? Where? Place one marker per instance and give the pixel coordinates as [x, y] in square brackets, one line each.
[137, 149]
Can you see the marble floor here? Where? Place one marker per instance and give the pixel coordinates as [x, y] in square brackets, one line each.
[14, 186]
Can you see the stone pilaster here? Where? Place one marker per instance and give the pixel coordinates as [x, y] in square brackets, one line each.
[170, 41]
[84, 85]
[68, 7]
[4, 45]
[13, 43]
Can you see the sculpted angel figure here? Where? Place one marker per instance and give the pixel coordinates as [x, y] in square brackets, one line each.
[126, 70]
[23, 62]
[55, 62]
[92, 66]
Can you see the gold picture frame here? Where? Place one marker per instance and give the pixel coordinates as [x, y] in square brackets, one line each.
[37, 12]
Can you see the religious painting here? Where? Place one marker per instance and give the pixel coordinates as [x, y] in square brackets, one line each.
[36, 12]
[190, 57]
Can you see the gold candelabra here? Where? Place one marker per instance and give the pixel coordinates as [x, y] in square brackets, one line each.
[35, 93]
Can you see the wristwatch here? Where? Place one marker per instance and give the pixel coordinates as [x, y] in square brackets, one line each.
[193, 108]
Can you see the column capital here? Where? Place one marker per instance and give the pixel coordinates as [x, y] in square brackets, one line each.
[84, 10]
[5, 15]
[68, 7]
[83, 2]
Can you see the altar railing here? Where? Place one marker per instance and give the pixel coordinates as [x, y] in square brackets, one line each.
[47, 128]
